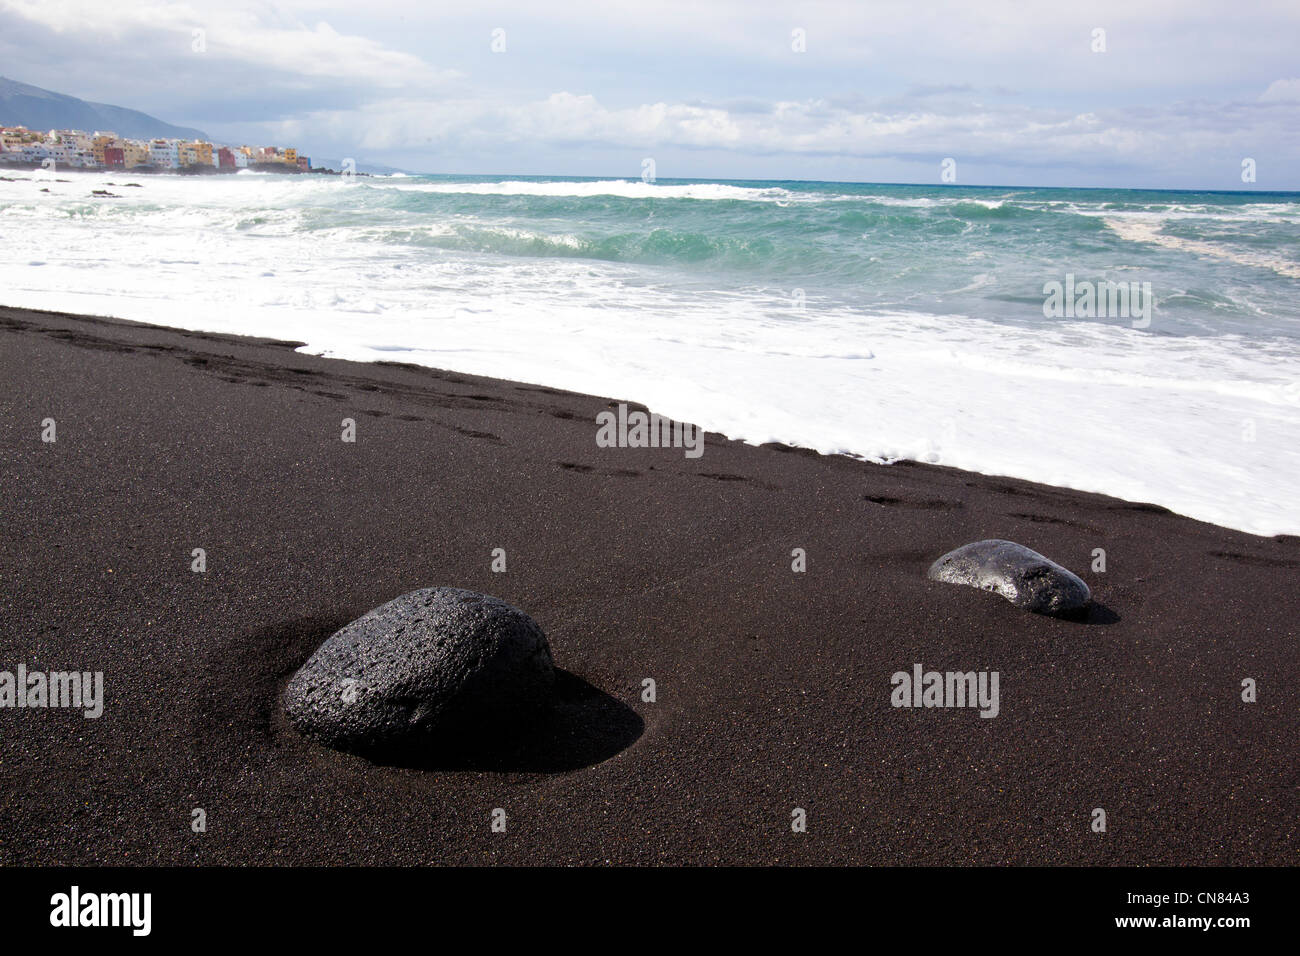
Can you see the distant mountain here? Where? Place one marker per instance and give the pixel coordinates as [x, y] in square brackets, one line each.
[35, 108]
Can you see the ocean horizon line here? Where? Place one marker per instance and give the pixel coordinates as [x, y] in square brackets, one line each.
[618, 177]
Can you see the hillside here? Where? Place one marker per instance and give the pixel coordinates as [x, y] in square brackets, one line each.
[24, 105]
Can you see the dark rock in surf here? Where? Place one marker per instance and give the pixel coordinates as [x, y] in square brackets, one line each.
[1023, 577]
[438, 668]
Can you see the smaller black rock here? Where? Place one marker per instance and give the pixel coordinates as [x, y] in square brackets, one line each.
[1022, 576]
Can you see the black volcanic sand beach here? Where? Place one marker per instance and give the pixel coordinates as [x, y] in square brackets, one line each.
[773, 687]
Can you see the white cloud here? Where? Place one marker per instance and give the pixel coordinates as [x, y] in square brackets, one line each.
[1179, 84]
[1013, 134]
[1282, 91]
[252, 35]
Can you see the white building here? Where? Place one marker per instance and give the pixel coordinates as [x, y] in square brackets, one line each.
[165, 153]
[34, 152]
[73, 137]
[71, 155]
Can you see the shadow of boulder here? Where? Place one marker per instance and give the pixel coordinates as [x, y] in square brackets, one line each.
[1095, 613]
[583, 726]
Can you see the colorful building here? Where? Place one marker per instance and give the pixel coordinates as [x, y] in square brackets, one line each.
[100, 143]
[196, 153]
[15, 136]
[134, 153]
[106, 150]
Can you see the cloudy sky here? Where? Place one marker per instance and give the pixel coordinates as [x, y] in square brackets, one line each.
[1015, 91]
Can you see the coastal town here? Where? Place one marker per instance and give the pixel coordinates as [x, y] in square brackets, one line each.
[77, 149]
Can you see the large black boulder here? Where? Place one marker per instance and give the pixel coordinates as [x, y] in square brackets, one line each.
[439, 667]
[1023, 577]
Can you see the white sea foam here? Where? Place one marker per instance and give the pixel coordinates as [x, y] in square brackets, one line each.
[624, 188]
[1149, 230]
[1207, 426]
